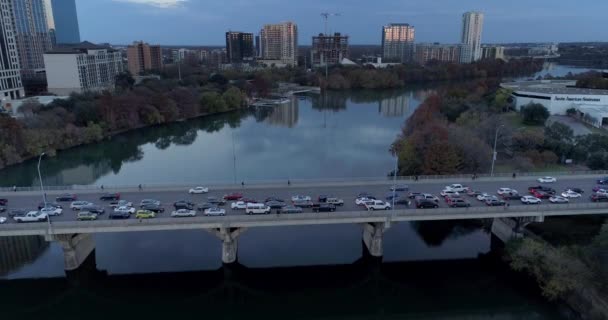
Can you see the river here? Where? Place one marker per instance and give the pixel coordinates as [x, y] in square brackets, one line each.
[429, 271]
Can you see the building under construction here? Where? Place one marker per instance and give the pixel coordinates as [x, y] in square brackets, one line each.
[328, 49]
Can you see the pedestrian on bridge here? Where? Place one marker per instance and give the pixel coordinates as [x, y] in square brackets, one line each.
[139, 187]
[288, 182]
[242, 183]
[14, 188]
[514, 175]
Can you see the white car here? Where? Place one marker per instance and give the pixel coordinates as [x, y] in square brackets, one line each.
[125, 209]
[301, 198]
[377, 205]
[257, 208]
[335, 201]
[546, 180]
[449, 193]
[215, 211]
[571, 194]
[502, 191]
[558, 199]
[121, 203]
[183, 213]
[77, 205]
[198, 190]
[52, 211]
[2, 220]
[239, 205]
[427, 196]
[530, 200]
[32, 216]
[362, 201]
[484, 196]
[456, 187]
[602, 191]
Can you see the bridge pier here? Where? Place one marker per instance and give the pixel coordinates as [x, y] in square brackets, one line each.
[373, 234]
[507, 229]
[76, 249]
[229, 238]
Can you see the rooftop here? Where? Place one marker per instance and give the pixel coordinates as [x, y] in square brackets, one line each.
[82, 47]
[552, 87]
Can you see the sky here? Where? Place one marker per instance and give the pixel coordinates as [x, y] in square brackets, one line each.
[204, 22]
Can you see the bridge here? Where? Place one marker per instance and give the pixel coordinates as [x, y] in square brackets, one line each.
[77, 242]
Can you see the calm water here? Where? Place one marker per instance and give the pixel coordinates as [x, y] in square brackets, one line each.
[430, 270]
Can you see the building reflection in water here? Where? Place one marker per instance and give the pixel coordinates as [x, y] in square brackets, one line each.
[16, 252]
[402, 105]
[285, 115]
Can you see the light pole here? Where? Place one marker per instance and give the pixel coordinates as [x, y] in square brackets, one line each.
[395, 178]
[494, 153]
[48, 217]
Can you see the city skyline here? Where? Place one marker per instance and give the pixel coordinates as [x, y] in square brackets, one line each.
[172, 22]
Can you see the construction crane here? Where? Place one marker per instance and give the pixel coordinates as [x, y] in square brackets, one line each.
[326, 16]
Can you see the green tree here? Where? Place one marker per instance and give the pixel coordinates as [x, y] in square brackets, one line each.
[212, 102]
[124, 81]
[598, 161]
[233, 98]
[534, 114]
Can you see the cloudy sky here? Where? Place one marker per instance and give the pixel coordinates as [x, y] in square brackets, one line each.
[203, 22]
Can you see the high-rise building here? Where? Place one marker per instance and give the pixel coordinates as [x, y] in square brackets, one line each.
[10, 76]
[65, 21]
[493, 52]
[398, 42]
[328, 49]
[472, 26]
[280, 42]
[426, 52]
[82, 67]
[239, 47]
[32, 36]
[143, 57]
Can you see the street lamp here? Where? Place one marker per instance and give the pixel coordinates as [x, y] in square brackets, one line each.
[48, 217]
[494, 153]
[395, 178]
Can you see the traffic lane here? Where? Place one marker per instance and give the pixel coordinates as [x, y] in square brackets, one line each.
[348, 194]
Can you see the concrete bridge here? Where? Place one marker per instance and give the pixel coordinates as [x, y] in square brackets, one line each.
[77, 242]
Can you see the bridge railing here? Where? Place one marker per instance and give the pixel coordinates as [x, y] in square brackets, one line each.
[295, 182]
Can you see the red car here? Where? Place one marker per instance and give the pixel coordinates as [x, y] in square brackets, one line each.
[541, 194]
[233, 196]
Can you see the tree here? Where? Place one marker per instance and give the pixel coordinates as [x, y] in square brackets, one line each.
[441, 158]
[534, 114]
[598, 161]
[124, 81]
[233, 98]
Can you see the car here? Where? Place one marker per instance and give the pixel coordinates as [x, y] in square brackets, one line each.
[145, 202]
[322, 198]
[86, 215]
[198, 190]
[204, 206]
[216, 201]
[303, 203]
[120, 203]
[511, 196]
[400, 187]
[233, 196]
[365, 195]
[301, 198]
[110, 197]
[273, 198]
[494, 202]
[323, 207]
[389, 196]
[16, 212]
[49, 204]
[474, 193]
[66, 197]
[2, 208]
[335, 201]
[32, 216]
[451, 198]
[428, 196]
[449, 193]
[456, 188]
[596, 188]
[484, 196]
[413, 195]
[541, 194]
[239, 205]
[125, 209]
[248, 200]
[602, 191]
[541, 188]
[362, 201]
[52, 211]
[3, 201]
[422, 203]
[502, 191]
[599, 197]
[291, 209]
[77, 205]
[546, 180]
[558, 199]
[183, 213]
[530, 200]
[257, 208]
[2, 220]
[98, 210]
[402, 201]
[273, 204]
[145, 214]
[577, 190]
[459, 203]
[153, 207]
[377, 205]
[571, 194]
[215, 211]
[602, 180]
[183, 204]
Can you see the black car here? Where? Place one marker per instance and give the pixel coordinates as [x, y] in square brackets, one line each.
[2, 208]
[577, 190]
[426, 204]
[366, 195]
[542, 188]
[94, 209]
[323, 207]
[402, 201]
[119, 215]
[110, 197]
[66, 197]
[273, 204]
[153, 207]
[49, 204]
[323, 198]
[400, 187]
[183, 204]
[413, 195]
[511, 196]
[3, 201]
[599, 197]
[216, 201]
[16, 212]
[602, 180]
[204, 206]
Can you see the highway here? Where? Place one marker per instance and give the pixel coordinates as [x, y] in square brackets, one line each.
[345, 191]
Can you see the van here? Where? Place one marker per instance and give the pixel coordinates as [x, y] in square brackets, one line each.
[257, 208]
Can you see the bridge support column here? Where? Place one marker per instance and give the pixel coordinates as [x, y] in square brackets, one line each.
[507, 229]
[76, 249]
[229, 238]
[372, 238]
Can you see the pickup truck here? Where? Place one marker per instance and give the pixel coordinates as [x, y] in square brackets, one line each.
[377, 205]
[457, 188]
[32, 216]
[335, 201]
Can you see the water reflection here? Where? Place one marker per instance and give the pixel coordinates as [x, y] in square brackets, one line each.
[16, 252]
